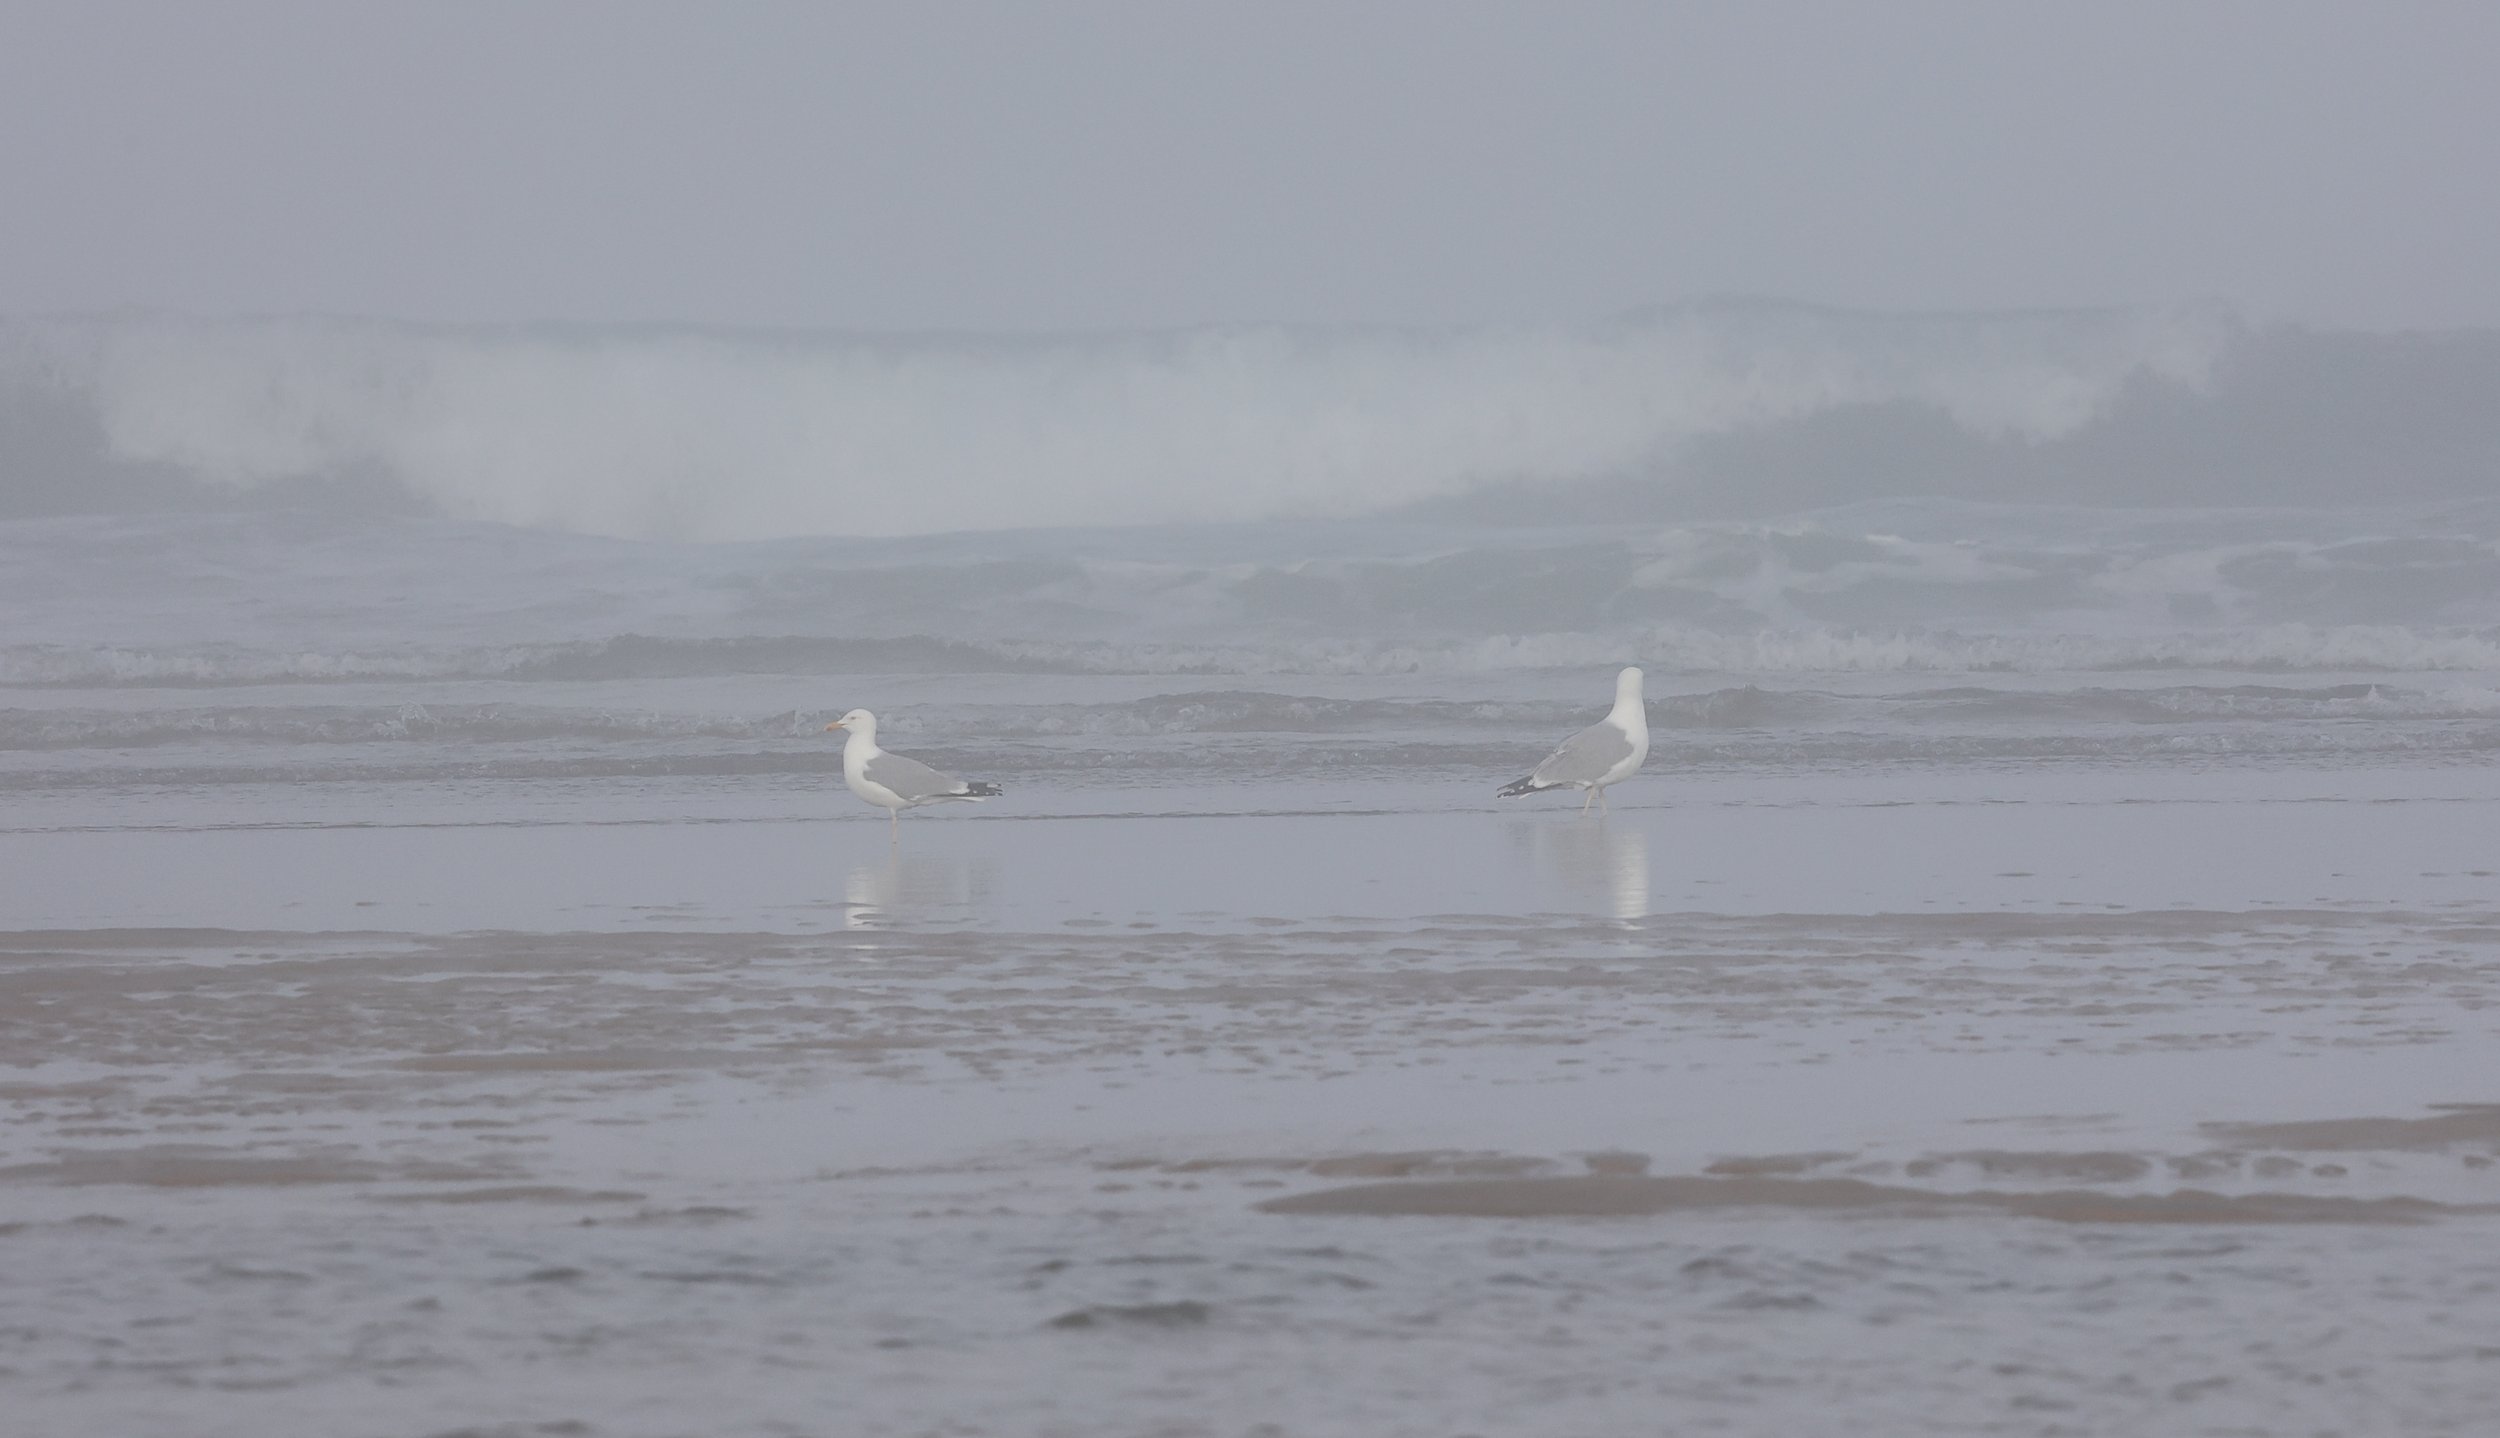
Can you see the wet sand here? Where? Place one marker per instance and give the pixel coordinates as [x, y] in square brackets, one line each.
[2068, 1101]
[1364, 1122]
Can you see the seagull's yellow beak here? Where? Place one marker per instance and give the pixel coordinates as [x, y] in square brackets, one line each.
[836, 724]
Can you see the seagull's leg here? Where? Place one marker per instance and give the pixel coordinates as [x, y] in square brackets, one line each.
[894, 826]
[1602, 806]
[1591, 799]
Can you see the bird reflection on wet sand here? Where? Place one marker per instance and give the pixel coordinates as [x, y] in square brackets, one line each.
[1591, 859]
[900, 886]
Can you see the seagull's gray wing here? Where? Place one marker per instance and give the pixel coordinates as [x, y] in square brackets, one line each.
[1585, 757]
[912, 781]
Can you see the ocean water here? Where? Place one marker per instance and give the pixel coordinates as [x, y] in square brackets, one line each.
[2042, 982]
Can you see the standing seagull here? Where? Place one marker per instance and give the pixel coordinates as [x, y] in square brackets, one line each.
[1607, 752]
[890, 781]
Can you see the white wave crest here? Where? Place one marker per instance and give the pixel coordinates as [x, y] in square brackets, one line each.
[714, 436]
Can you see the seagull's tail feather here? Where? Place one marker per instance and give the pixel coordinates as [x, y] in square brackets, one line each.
[1518, 787]
[983, 790]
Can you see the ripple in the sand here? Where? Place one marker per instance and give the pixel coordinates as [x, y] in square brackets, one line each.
[1625, 1196]
[515, 1193]
[1187, 1313]
[2455, 1125]
[206, 1166]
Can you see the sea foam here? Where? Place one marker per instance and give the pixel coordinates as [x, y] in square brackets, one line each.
[715, 435]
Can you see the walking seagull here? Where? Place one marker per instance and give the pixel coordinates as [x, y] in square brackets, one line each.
[890, 781]
[1607, 752]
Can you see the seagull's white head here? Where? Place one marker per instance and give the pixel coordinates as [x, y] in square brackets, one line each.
[858, 721]
[1628, 683]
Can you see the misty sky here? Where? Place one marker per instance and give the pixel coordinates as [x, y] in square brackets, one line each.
[1029, 166]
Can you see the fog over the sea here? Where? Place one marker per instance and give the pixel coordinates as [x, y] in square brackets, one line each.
[1005, 167]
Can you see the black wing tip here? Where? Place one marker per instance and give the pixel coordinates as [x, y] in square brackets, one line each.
[982, 791]
[1518, 787]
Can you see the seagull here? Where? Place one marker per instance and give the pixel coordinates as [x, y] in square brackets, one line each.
[1607, 752]
[890, 781]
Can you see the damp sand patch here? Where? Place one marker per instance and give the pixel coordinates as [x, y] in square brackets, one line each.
[516, 1193]
[1604, 1195]
[579, 1061]
[202, 1166]
[1186, 1313]
[2450, 1126]
[1409, 1163]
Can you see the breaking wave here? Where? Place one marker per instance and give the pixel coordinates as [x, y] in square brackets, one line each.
[714, 435]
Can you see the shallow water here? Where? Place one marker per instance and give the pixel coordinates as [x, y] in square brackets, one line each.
[559, 1049]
